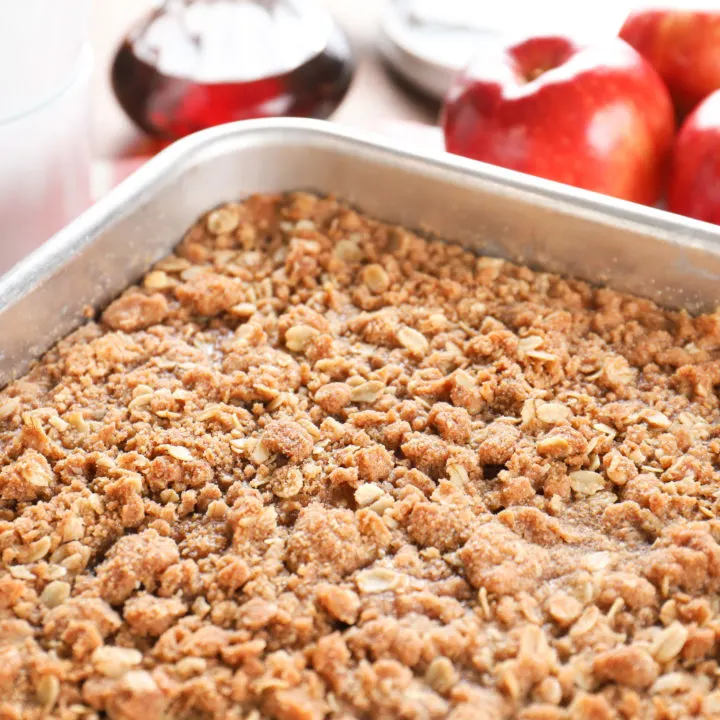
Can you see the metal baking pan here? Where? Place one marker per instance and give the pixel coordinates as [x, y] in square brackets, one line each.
[649, 252]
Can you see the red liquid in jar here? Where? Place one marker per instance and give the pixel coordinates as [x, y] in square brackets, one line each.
[199, 63]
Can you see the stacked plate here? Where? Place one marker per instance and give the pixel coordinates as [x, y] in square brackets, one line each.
[45, 66]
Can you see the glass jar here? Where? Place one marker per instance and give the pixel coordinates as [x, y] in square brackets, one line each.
[192, 64]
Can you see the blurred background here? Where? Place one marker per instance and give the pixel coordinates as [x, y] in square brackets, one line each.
[115, 82]
[429, 35]
[373, 94]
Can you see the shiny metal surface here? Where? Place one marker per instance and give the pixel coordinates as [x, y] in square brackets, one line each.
[670, 259]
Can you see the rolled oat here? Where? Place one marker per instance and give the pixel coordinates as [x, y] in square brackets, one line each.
[316, 467]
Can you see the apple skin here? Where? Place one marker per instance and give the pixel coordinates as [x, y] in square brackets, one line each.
[683, 45]
[597, 117]
[694, 187]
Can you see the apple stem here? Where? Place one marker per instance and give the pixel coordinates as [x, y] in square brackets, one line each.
[535, 73]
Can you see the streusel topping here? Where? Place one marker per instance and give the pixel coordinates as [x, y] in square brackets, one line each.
[315, 466]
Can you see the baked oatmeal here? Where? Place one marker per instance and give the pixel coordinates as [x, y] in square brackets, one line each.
[315, 466]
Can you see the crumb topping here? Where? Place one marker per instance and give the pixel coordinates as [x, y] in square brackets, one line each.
[315, 466]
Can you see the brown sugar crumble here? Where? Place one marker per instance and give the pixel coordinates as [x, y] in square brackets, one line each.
[315, 466]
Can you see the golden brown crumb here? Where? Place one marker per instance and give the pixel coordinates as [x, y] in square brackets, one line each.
[317, 467]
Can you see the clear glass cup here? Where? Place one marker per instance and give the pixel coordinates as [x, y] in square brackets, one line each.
[45, 69]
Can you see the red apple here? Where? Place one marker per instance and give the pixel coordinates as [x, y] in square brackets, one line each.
[683, 45]
[694, 187]
[597, 117]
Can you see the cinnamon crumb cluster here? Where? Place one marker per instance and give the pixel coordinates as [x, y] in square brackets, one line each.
[315, 466]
